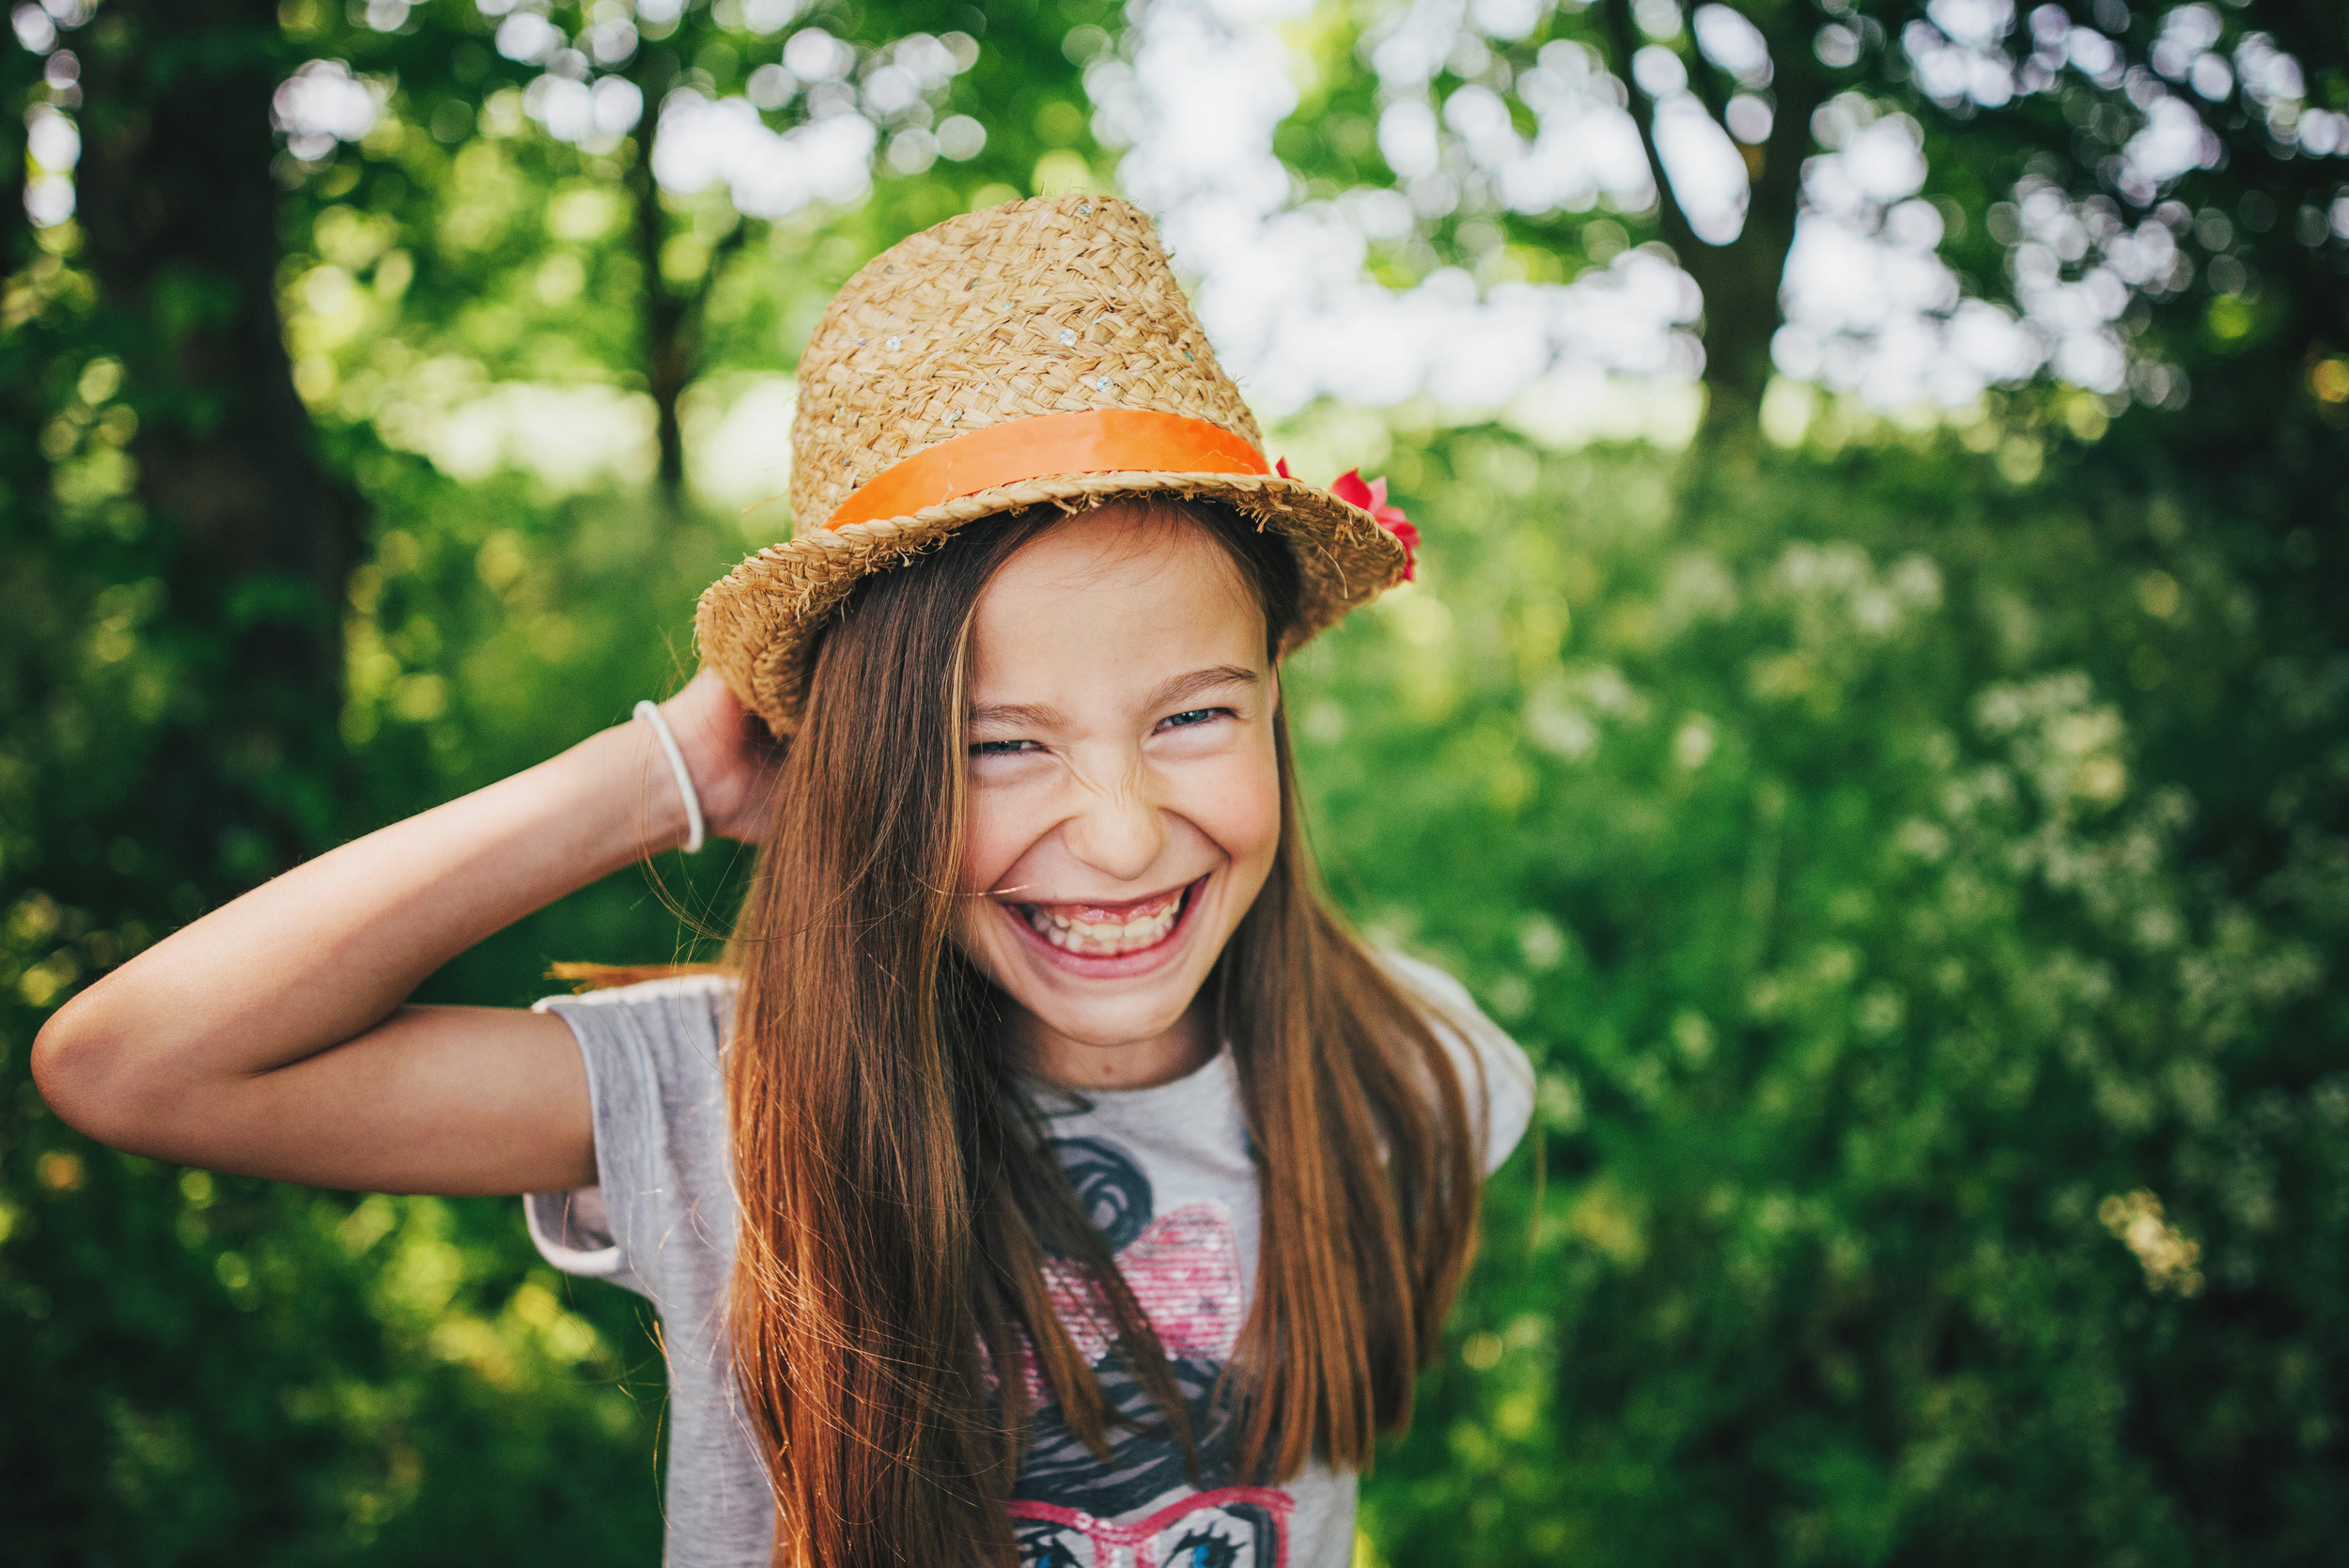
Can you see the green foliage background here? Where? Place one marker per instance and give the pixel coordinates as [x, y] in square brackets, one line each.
[1916, 858]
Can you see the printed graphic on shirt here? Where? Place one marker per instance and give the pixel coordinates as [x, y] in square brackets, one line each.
[1234, 1527]
[1139, 1510]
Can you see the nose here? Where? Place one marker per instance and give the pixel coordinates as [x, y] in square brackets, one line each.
[1118, 829]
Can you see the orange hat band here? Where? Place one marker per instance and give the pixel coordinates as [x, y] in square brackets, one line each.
[1090, 440]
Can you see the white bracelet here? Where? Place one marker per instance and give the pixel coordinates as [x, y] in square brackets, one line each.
[684, 779]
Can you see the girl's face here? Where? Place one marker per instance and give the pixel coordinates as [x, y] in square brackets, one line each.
[1124, 797]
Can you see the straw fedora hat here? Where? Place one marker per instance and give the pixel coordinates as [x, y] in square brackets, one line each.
[1037, 353]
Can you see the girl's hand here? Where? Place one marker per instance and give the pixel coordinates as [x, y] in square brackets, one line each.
[733, 758]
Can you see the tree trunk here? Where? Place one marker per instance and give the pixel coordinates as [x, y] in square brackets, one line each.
[1740, 280]
[668, 357]
[253, 539]
[672, 316]
[669, 318]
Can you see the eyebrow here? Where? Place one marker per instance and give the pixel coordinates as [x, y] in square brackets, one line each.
[1185, 686]
[1030, 716]
[1180, 689]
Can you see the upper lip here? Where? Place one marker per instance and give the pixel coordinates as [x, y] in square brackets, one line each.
[1126, 902]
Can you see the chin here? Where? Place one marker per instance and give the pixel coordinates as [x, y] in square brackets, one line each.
[1112, 1023]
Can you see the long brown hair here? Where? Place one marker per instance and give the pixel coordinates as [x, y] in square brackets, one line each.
[897, 1203]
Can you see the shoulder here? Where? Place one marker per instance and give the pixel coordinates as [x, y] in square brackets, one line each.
[1448, 1008]
[1426, 982]
[1494, 1072]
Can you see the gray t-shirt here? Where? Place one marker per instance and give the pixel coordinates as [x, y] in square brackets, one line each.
[1165, 1171]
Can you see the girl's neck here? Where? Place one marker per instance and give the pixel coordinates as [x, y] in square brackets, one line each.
[1043, 1052]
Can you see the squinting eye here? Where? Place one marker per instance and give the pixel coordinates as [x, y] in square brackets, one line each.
[998, 747]
[1192, 717]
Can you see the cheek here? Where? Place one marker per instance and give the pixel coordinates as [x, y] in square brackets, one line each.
[987, 858]
[990, 839]
[1243, 815]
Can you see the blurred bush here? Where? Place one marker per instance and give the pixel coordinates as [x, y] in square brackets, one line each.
[1941, 1165]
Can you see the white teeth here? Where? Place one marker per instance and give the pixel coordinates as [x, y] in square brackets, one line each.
[1104, 938]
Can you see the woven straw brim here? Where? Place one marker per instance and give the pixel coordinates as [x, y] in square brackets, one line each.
[758, 627]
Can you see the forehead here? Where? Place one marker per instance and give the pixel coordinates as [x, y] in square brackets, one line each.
[1112, 590]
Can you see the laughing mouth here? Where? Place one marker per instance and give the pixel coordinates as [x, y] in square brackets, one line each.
[1107, 930]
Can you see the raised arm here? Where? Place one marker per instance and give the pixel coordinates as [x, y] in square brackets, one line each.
[268, 1038]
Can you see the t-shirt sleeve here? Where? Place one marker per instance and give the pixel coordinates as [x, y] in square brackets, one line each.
[1478, 1048]
[658, 1098]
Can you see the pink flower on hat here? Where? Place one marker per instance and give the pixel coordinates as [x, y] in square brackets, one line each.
[1371, 496]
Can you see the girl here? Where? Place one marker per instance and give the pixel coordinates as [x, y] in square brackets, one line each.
[1049, 1177]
